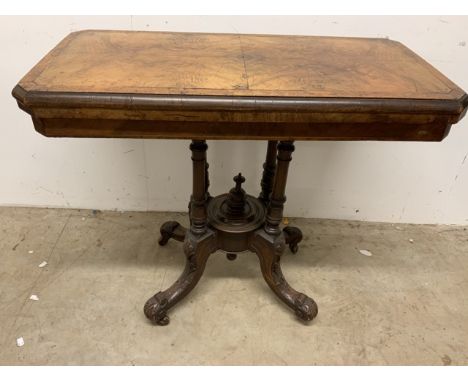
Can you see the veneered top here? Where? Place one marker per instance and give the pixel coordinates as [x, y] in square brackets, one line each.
[225, 86]
[165, 63]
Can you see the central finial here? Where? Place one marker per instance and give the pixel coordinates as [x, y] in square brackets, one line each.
[236, 199]
[239, 179]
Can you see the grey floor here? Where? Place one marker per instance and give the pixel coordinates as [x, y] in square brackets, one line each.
[405, 304]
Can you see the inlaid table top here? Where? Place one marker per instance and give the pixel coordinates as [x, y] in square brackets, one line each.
[98, 83]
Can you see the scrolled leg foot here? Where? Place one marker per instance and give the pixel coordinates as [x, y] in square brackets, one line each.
[171, 230]
[155, 309]
[269, 249]
[293, 237]
[306, 308]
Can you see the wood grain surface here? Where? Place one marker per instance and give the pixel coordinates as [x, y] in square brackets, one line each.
[232, 86]
[241, 65]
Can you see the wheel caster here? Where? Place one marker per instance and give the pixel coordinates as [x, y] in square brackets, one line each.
[293, 236]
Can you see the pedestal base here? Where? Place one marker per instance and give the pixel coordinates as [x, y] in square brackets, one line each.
[235, 222]
[268, 248]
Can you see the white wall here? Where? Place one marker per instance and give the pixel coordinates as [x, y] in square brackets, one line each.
[376, 181]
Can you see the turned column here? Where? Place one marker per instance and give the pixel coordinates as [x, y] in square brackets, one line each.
[278, 198]
[268, 175]
[198, 215]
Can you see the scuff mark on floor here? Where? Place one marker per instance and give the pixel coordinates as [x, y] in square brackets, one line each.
[18, 243]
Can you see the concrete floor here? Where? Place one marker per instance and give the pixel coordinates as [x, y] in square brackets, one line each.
[406, 304]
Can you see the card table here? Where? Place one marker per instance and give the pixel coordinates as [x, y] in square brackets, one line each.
[201, 86]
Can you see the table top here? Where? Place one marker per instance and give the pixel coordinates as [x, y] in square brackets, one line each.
[230, 86]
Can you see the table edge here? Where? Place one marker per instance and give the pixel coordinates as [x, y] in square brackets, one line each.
[28, 100]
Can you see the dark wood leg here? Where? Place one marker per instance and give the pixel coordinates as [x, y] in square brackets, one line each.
[269, 168]
[269, 243]
[293, 237]
[197, 250]
[269, 250]
[199, 242]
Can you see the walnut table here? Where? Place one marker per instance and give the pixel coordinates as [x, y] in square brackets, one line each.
[108, 84]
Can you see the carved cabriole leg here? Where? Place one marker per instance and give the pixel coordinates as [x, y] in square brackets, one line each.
[199, 242]
[197, 250]
[269, 249]
[268, 175]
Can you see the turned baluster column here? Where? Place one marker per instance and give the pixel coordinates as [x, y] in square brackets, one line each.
[198, 215]
[278, 198]
[268, 175]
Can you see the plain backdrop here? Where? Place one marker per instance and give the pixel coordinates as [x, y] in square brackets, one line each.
[376, 181]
